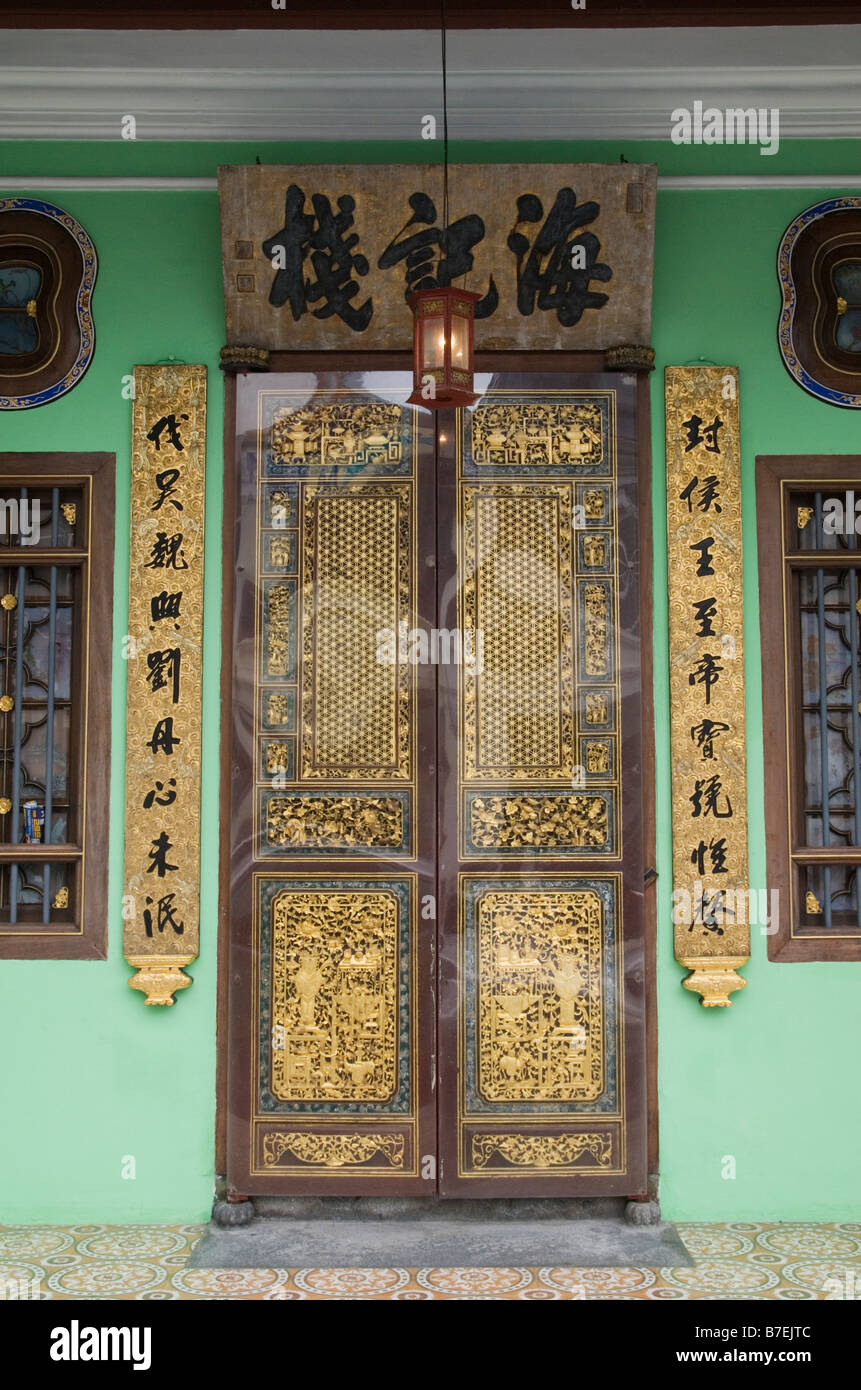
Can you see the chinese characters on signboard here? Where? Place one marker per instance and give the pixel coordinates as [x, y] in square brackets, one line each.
[327, 257]
[162, 847]
[710, 876]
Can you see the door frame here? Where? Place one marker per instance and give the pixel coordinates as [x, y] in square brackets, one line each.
[576, 362]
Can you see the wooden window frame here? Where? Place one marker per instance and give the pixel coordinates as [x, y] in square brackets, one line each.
[776, 477]
[84, 935]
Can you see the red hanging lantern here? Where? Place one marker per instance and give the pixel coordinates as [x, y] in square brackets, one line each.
[443, 369]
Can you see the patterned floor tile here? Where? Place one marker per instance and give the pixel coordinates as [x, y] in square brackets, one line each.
[743, 1260]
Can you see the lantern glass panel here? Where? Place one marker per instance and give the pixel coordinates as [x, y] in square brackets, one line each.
[460, 342]
[433, 342]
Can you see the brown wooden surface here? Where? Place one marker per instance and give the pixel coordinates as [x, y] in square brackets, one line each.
[424, 14]
[649, 812]
[782, 727]
[455, 1178]
[645, 902]
[97, 471]
[245, 1127]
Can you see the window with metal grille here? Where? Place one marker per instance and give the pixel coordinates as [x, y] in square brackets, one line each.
[56, 583]
[810, 609]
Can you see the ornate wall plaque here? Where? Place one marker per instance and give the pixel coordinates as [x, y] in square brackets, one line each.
[323, 256]
[711, 918]
[819, 268]
[162, 857]
[47, 273]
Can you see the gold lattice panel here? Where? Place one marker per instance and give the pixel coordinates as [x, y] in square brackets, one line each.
[540, 996]
[518, 718]
[335, 995]
[356, 709]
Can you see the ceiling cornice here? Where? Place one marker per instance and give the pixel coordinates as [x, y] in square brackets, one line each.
[622, 85]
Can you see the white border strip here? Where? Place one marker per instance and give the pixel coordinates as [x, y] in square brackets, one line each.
[666, 183]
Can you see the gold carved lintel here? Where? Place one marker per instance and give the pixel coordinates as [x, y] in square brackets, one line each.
[333, 1150]
[541, 1150]
[159, 977]
[714, 978]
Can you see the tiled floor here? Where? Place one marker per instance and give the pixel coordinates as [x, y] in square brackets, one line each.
[736, 1260]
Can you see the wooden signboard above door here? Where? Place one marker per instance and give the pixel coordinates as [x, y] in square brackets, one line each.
[326, 257]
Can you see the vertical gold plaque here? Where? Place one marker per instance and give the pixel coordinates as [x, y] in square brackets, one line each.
[161, 907]
[711, 902]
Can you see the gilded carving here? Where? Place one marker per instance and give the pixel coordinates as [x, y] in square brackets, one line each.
[538, 435]
[596, 624]
[332, 822]
[594, 551]
[706, 613]
[596, 709]
[278, 709]
[714, 978]
[597, 757]
[518, 712]
[277, 758]
[163, 719]
[812, 903]
[802, 517]
[281, 552]
[593, 504]
[279, 600]
[532, 822]
[159, 977]
[333, 1150]
[542, 1150]
[540, 995]
[344, 435]
[335, 995]
[356, 709]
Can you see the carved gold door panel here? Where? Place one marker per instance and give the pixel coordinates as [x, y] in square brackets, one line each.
[542, 1066]
[333, 809]
[436, 973]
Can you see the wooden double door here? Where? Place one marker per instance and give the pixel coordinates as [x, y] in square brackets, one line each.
[436, 933]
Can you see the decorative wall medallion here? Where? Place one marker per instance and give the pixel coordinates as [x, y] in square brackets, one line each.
[819, 333]
[47, 273]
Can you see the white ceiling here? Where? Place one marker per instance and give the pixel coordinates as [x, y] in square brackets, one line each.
[557, 84]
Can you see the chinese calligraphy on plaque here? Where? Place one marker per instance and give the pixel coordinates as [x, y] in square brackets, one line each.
[328, 257]
[710, 874]
[163, 646]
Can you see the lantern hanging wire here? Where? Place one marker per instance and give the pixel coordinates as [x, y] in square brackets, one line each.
[442, 315]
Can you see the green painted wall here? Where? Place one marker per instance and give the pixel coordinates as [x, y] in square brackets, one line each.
[89, 1075]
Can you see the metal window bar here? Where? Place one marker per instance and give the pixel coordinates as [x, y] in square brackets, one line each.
[823, 709]
[49, 732]
[16, 728]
